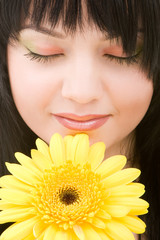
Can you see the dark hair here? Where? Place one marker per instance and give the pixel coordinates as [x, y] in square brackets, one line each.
[118, 18]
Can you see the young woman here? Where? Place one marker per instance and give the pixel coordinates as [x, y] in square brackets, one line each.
[84, 66]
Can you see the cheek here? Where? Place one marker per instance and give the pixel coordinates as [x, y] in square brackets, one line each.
[131, 92]
[134, 97]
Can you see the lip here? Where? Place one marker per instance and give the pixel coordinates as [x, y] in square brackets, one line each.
[81, 123]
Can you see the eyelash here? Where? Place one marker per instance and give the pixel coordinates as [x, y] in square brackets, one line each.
[120, 60]
[41, 58]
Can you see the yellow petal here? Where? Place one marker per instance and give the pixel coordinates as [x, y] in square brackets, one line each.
[71, 235]
[19, 230]
[134, 223]
[29, 237]
[103, 214]
[137, 206]
[15, 214]
[15, 196]
[124, 176]
[96, 154]
[118, 231]
[40, 160]
[116, 211]
[111, 165]
[9, 181]
[22, 173]
[57, 149]
[44, 149]
[50, 232]
[102, 234]
[27, 162]
[41, 237]
[38, 228]
[4, 205]
[128, 201]
[130, 190]
[80, 149]
[68, 146]
[97, 222]
[79, 232]
[90, 232]
[61, 235]
[138, 211]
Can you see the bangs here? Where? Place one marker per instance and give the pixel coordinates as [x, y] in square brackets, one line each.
[116, 18]
[123, 19]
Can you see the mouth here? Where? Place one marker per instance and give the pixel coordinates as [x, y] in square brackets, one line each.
[81, 123]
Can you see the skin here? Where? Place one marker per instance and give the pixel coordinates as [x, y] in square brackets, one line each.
[81, 79]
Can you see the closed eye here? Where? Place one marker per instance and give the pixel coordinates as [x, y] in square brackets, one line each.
[42, 58]
[128, 60]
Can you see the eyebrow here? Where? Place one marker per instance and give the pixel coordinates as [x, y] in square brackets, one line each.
[140, 31]
[56, 34]
[45, 31]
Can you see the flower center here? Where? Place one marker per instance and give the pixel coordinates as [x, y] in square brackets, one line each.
[68, 195]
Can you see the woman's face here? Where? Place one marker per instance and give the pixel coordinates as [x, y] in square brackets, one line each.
[61, 83]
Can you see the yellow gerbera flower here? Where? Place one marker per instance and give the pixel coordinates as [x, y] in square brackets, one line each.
[66, 191]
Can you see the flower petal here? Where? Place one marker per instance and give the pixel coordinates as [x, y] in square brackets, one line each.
[90, 232]
[116, 211]
[80, 149]
[41, 237]
[19, 230]
[57, 149]
[15, 214]
[68, 146]
[44, 149]
[9, 181]
[96, 154]
[29, 237]
[138, 211]
[137, 206]
[50, 232]
[124, 176]
[38, 228]
[16, 196]
[128, 201]
[61, 234]
[4, 205]
[130, 190]
[27, 162]
[111, 165]
[22, 173]
[134, 223]
[103, 214]
[79, 232]
[72, 235]
[97, 222]
[118, 231]
[103, 235]
[40, 160]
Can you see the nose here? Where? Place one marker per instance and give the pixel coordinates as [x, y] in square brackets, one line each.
[82, 82]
